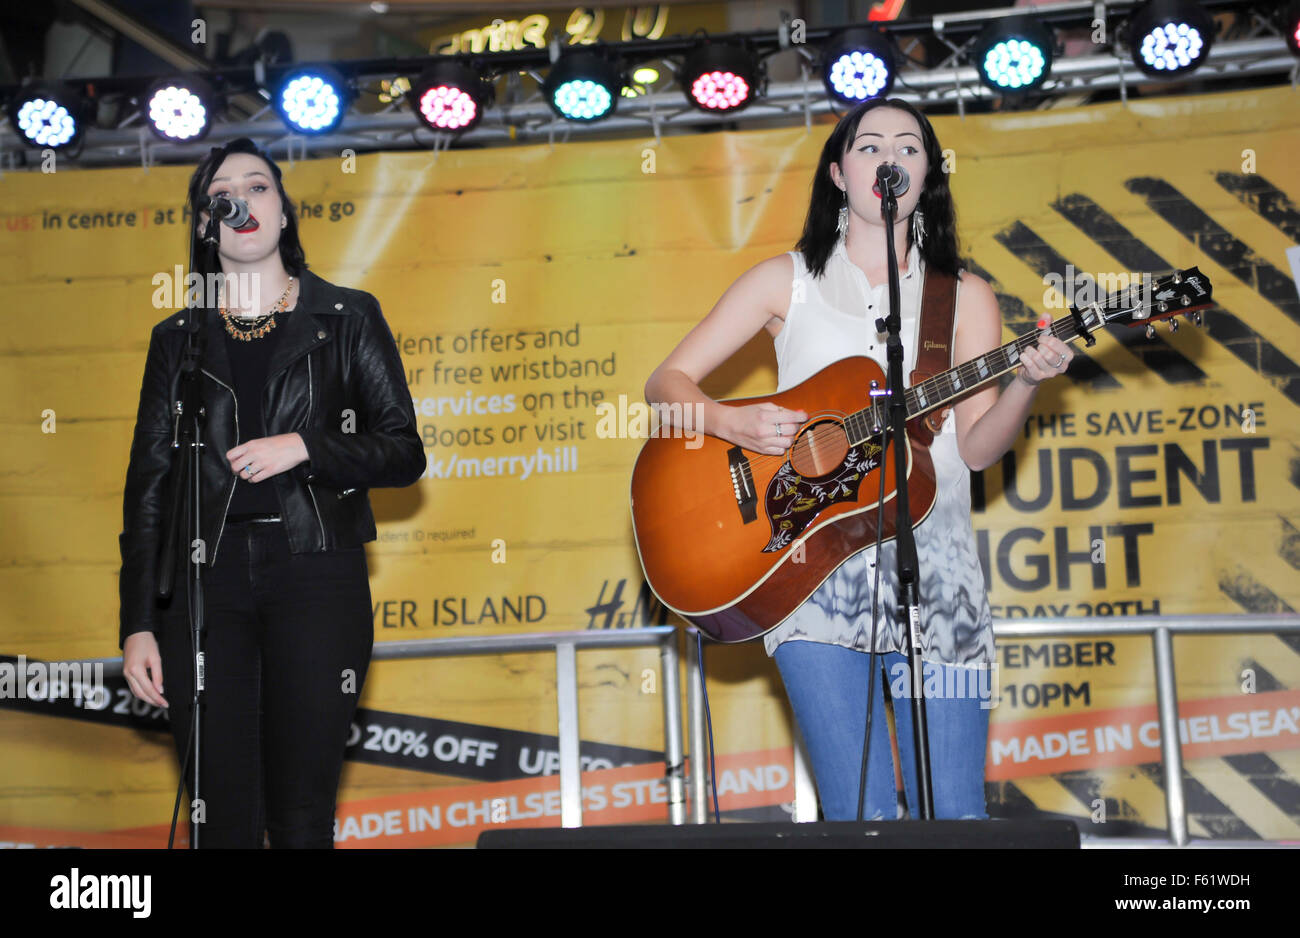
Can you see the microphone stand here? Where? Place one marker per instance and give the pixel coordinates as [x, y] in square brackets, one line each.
[908, 565]
[188, 419]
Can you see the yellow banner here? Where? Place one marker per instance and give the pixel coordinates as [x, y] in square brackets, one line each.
[531, 291]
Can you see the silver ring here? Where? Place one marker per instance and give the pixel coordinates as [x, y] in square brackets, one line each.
[1062, 360]
[778, 430]
[248, 468]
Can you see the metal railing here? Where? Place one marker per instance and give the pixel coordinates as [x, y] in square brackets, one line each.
[1162, 629]
[566, 645]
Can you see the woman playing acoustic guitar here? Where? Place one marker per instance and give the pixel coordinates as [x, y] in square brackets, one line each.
[820, 303]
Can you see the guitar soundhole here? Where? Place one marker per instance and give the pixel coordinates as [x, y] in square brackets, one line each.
[819, 449]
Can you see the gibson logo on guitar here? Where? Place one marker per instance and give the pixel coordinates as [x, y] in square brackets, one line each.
[714, 525]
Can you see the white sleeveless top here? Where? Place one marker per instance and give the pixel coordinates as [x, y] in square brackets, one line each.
[833, 317]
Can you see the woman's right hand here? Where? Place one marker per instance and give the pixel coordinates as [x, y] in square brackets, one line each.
[142, 667]
[754, 427]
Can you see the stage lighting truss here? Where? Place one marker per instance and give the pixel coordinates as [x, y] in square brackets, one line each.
[46, 116]
[721, 77]
[1169, 38]
[311, 99]
[1013, 55]
[179, 109]
[857, 64]
[584, 86]
[450, 97]
[631, 87]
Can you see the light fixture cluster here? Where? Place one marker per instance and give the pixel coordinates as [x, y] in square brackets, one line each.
[1166, 39]
[1012, 55]
[585, 85]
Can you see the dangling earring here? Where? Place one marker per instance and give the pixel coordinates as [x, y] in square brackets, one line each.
[842, 223]
[918, 228]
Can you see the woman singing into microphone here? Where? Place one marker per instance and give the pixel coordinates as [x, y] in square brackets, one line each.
[819, 303]
[307, 408]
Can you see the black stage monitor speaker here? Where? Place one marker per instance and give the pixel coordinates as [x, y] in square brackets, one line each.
[1032, 835]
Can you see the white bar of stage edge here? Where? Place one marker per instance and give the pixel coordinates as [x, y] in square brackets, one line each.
[695, 723]
[805, 792]
[566, 701]
[1170, 745]
[674, 758]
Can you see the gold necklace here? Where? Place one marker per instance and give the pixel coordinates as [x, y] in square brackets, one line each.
[259, 326]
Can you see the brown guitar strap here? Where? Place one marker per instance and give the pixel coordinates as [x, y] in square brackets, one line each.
[935, 334]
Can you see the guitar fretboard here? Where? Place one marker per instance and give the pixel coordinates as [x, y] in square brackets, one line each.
[959, 381]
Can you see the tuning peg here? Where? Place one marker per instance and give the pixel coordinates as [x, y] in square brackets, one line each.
[1173, 326]
[1151, 331]
[1196, 317]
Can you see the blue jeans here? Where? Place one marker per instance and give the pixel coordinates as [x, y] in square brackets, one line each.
[827, 686]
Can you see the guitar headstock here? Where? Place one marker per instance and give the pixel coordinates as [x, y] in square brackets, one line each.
[1183, 291]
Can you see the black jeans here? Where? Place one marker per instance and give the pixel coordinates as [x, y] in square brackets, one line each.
[288, 643]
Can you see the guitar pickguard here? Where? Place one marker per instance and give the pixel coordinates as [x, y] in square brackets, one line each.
[793, 502]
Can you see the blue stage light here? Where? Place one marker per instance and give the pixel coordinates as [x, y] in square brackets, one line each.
[1013, 54]
[312, 100]
[44, 116]
[857, 64]
[1169, 37]
[582, 99]
[179, 109]
[583, 86]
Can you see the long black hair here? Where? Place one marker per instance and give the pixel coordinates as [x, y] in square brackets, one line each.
[939, 244]
[291, 252]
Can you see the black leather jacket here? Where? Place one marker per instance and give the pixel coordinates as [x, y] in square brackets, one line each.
[335, 369]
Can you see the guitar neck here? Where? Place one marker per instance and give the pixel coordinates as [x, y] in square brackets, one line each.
[959, 381]
[1184, 291]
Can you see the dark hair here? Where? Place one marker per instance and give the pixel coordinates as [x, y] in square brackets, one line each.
[938, 246]
[291, 253]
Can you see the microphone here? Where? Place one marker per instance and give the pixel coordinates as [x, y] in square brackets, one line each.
[232, 212]
[894, 177]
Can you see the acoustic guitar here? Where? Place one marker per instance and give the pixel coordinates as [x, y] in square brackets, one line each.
[734, 541]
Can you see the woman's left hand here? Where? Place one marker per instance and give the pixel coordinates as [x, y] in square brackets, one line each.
[1049, 357]
[255, 460]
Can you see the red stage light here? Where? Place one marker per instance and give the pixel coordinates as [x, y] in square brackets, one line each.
[720, 91]
[448, 108]
[449, 96]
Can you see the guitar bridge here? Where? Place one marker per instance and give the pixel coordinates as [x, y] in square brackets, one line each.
[742, 484]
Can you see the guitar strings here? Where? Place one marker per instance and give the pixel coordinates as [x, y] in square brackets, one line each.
[968, 372]
[807, 444]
